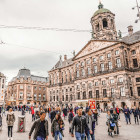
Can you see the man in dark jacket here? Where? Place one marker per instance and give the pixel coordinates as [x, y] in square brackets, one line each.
[91, 124]
[65, 112]
[127, 114]
[136, 113]
[52, 114]
[79, 123]
[41, 128]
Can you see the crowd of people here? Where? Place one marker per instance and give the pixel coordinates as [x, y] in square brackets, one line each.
[82, 121]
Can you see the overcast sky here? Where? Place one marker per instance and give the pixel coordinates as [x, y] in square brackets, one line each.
[49, 45]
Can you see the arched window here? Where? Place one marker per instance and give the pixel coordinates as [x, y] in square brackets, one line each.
[105, 23]
[90, 94]
[84, 95]
[112, 23]
[97, 27]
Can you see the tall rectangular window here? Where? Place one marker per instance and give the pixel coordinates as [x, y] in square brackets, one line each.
[21, 86]
[101, 57]
[133, 52]
[103, 82]
[95, 69]
[117, 52]
[138, 89]
[108, 55]
[97, 94]
[77, 74]
[102, 67]
[135, 63]
[122, 91]
[118, 62]
[66, 97]
[90, 94]
[120, 80]
[78, 95]
[111, 81]
[104, 93]
[138, 79]
[94, 60]
[112, 92]
[109, 65]
[131, 90]
[89, 71]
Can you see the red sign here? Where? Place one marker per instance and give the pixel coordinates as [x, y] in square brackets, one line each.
[92, 104]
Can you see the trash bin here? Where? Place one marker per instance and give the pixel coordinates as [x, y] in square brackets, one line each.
[21, 124]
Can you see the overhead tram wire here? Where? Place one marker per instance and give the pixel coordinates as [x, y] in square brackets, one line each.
[43, 28]
[21, 46]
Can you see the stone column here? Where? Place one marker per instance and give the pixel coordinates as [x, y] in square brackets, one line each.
[138, 55]
[122, 58]
[113, 59]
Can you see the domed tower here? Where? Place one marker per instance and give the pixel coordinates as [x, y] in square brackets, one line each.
[103, 24]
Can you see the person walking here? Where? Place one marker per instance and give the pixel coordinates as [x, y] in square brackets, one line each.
[91, 124]
[70, 118]
[118, 111]
[33, 114]
[52, 114]
[57, 127]
[65, 112]
[136, 114]
[79, 123]
[139, 112]
[96, 116]
[127, 114]
[10, 119]
[41, 128]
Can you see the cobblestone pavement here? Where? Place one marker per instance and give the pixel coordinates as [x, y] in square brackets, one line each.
[127, 132]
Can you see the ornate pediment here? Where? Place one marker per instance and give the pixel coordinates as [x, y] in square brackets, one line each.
[93, 46]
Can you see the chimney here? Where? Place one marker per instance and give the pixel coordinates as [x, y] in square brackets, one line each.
[65, 57]
[130, 29]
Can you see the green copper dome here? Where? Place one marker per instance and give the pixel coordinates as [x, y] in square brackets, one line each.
[101, 10]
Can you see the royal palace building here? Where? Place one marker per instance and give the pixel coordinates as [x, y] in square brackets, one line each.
[27, 89]
[106, 69]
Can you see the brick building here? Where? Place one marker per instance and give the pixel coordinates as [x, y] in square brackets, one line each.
[106, 69]
[27, 89]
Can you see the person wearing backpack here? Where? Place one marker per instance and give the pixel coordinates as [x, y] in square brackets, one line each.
[57, 127]
[10, 119]
[70, 118]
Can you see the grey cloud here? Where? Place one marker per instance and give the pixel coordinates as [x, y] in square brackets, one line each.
[39, 62]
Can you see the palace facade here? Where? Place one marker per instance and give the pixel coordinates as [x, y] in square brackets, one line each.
[106, 69]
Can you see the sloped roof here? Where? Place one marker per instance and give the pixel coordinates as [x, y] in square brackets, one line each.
[130, 39]
[25, 73]
[100, 11]
[39, 78]
[61, 64]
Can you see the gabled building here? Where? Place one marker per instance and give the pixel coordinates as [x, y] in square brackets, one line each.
[106, 69]
[27, 89]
